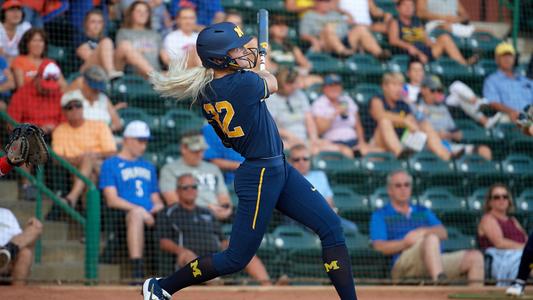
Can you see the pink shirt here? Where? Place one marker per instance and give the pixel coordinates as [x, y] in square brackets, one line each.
[342, 129]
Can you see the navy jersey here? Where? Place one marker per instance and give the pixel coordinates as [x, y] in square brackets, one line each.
[234, 104]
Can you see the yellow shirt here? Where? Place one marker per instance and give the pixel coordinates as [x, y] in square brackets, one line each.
[91, 137]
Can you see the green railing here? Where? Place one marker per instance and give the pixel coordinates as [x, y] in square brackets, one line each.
[91, 222]
[514, 7]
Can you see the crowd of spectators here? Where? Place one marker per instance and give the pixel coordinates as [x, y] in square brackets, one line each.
[186, 203]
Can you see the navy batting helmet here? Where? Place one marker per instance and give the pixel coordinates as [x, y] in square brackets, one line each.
[215, 41]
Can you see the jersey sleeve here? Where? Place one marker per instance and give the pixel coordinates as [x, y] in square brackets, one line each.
[378, 227]
[106, 174]
[252, 87]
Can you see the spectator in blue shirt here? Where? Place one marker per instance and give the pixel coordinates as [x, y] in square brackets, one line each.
[226, 159]
[208, 11]
[129, 185]
[7, 82]
[300, 158]
[507, 91]
[413, 234]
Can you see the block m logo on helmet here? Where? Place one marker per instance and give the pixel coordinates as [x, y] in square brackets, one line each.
[195, 271]
[238, 30]
[333, 265]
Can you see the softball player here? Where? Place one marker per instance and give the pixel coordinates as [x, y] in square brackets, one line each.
[232, 101]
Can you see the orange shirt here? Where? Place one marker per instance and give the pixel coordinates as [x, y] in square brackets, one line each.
[91, 137]
[23, 62]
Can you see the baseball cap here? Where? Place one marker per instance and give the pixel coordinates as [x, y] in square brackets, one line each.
[332, 79]
[137, 129]
[504, 48]
[194, 142]
[96, 78]
[10, 4]
[71, 96]
[49, 73]
[432, 82]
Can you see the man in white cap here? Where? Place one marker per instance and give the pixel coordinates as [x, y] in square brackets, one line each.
[83, 143]
[129, 186]
[212, 191]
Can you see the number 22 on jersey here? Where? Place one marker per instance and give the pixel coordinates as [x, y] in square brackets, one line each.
[217, 110]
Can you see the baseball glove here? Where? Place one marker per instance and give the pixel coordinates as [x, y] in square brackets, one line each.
[26, 145]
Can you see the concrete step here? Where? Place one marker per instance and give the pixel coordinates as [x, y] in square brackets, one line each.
[62, 251]
[8, 190]
[23, 209]
[71, 272]
[55, 231]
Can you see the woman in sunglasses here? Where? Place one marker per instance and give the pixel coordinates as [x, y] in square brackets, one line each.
[501, 235]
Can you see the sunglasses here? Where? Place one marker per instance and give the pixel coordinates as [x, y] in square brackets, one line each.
[500, 197]
[73, 106]
[436, 91]
[188, 187]
[400, 184]
[298, 159]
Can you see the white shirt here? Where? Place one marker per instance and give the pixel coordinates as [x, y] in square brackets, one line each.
[9, 226]
[10, 47]
[412, 93]
[177, 43]
[342, 129]
[98, 110]
[358, 10]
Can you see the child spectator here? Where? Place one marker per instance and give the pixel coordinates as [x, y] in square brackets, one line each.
[12, 27]
[137, 44]
[96, 48]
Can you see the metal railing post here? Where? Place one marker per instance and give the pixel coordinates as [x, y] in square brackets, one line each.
[39, 213]
[92, 235]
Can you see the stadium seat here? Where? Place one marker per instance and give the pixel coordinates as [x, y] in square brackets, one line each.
[524, 208]
[485, 67]
[363, 92]
[154, 157]
[449, 70]
[429, 170]
[129, 114]
[512, 139]
[313, 92]
[387, 6]
[325, 63]
[477, 199]
[482, 42]
[340, 169]
[379, 198]
[519, 168]
[352, 206]
[457, 240]
[478, 171]
[399, 63]
[440, 200]
[137, 92]
[366, 67]
[473, 133]
[170, 153]
[178, 121]
[376, 166]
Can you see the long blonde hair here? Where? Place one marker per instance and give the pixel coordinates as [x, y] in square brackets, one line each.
[182, 83]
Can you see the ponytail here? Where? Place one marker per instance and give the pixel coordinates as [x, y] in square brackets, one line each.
[180, 82]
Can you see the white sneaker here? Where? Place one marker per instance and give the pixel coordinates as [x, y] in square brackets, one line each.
[516, 289]
[153, 291]
[5, 259]
[493, 120]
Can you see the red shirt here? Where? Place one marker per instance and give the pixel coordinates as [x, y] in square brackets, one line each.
[28, 106]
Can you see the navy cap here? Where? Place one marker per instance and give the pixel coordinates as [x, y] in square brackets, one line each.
[96, 78]
[332, 79]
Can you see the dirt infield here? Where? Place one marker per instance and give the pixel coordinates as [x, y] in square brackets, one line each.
[235, 293]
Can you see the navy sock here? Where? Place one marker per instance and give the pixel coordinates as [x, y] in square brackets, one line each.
[137, 266]
[197, 271]
[526, 263]
[339, 268]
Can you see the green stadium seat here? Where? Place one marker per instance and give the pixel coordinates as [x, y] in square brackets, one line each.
[511, 137]
[449, 70]
[170, 153]
[440, 200]
[482, 42]
[129, 114]
[363, 92]
[473, 133]
[178, 121]
[478, 171]
[331, 162]
[366, 67]
[399, 63]
[379, 198]
[153, 157]
[137, 92]
[485, 67]
[325, 63]
[387, 6]
[352, 206]
[58, 54]
[429, 170]
[380, 162]
[524, 208]
[273, 6]
[457, 240]
[313, 92]
[232, 4]
[519, 168]
[477, 199]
